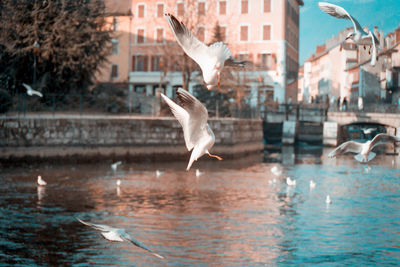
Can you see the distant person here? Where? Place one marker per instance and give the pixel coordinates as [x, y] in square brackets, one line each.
[344, 104]
[338, 103]
[360, 103]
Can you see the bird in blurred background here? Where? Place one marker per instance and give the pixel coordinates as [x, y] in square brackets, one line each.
[30, 91]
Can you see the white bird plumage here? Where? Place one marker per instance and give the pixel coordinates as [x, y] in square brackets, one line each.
[193, 116]
[312, 184]
[30, 91]
[118, 235]
[40, 181]
[290, 182]
[363, 150]
[328, 200]
[211, 59]
[359, 36]
[277, 171]
[115, 165]
[159, 173]
[198, 173]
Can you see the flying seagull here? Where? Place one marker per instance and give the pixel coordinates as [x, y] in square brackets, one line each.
[192, 116]
[40, 181]
[118, 235]
[363, 150]
[30, 91]
[359, 36]
[211, 59]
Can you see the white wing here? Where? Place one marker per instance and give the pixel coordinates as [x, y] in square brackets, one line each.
[349, 146]
[339, 12]
[183, 118]
[382, 138]
[127, 237]
[30, 91]
[374, 48]
[190, 44]
[100, 227]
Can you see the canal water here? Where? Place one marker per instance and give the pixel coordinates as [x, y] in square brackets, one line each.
[234, 214]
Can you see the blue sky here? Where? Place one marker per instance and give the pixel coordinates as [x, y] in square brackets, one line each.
[317, 26]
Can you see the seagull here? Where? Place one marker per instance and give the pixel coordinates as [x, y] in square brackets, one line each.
[277, 171]
[114, 166]
[118, 182]
[328, 200]
[312, 184]
[211, 59]
[40, 181]
[192, 116]
[368, 130]
[198, 173]
[30, 91]
[363, 150]
[290, 182]
[359, 36]
[159, 173]
[118, 235]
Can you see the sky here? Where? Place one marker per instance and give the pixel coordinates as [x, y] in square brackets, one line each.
[316, 26]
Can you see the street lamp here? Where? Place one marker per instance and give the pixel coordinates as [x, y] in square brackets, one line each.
[36, 46]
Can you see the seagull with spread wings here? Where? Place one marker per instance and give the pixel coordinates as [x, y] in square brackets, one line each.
[211, 59]
[118, 235]
[363, 150]
[193, 116]
[30, 91]
[359, 36]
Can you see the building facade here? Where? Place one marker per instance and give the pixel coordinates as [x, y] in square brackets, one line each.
[264, 32]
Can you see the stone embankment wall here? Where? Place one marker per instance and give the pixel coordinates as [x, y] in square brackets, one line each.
[91, 137]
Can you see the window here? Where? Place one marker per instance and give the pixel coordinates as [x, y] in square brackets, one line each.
[222, 7]
[115, 24]
[201, 8]
[222, 31]
[114, 71]
[244, 33]
[244, 7]
[160, 10]
[266, 32]
[155, 63]
[140, 63]
[267, 6]
[244, 56]
[266, 60]
[180, 9]
[141, 11]
[201, 33]
[160, 35]
[115, 46]
[140, 36]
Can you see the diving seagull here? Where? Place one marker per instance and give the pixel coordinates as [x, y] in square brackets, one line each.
[192, 116]
[211, 59]
[118, 235]
[359, 36]
[363, 150]
[40, 181]
[30, 91]
[115, 165]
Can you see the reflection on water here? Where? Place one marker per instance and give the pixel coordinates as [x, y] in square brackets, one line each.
[230, 215]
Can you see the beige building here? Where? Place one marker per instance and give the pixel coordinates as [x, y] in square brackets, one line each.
[265, 32]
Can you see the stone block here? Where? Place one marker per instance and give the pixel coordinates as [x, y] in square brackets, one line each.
[330, 133]
[288, 132]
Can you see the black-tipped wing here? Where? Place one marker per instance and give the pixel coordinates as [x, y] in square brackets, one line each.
[189, 43]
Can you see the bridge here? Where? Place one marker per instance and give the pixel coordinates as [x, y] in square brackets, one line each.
[319, 124]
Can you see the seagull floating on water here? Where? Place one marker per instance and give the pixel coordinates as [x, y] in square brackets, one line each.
[359, 36]
[40, 181]
[30, 91]
[159, 173]
[118, 235]
[118, 182]
[290, 182]
[211, 59]
[198, 173]
[115, 165]
[328, 200]
[193, 118]
[312, 184]
[368, 130]
[277, 171]
[363, 150]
